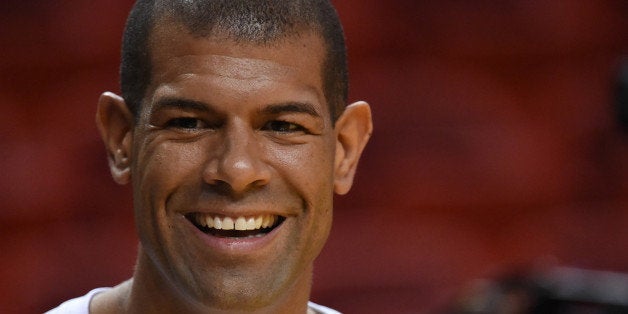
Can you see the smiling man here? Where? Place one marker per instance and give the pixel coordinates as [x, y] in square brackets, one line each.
[234, 131]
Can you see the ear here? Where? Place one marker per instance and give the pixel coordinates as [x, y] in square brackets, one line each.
[353, 130]
[115, 123]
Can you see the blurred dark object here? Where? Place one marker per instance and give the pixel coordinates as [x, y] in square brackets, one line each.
[559, 290]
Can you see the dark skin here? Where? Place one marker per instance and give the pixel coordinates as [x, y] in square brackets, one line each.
[239, 132]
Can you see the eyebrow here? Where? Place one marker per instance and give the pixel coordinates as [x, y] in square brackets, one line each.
[272, 109]
[291, 107]
[181, 103]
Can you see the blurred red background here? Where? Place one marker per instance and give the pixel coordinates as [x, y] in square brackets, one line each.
[496, 146]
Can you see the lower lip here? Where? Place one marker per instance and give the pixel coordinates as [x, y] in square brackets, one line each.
[235, 246]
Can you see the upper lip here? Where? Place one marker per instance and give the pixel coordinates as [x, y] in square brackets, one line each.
[245, 211]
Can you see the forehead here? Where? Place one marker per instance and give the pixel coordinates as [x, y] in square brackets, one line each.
[176, 54]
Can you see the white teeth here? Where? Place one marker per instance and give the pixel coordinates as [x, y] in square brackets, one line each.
[227, 224]
[250, 223]
[217, 223]
[268, 221]
[239, 223]
[202, 222]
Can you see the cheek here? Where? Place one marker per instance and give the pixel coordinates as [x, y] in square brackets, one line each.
[162, 169]
[308, 167]
[163, 166]
[308, 171]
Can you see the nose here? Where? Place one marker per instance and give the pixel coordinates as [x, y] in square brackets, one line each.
[238, 164]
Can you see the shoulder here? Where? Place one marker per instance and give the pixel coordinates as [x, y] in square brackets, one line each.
[319, 309]
[78, 305]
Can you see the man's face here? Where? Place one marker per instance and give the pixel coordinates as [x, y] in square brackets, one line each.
[232, 137]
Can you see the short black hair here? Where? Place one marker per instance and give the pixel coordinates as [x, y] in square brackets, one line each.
[253, 21]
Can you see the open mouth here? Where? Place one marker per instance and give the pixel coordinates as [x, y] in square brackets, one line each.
[238, 227]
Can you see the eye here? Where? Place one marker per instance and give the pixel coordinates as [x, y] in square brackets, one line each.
[283, 127]
[185, 123]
